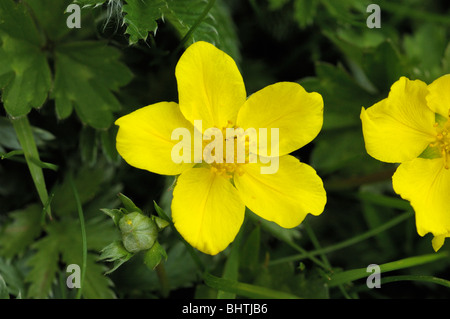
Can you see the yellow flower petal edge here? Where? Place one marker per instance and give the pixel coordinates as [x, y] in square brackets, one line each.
[400, 127]
[213, 187]
[144, 139]
[285, 197]
[439, 97]
[207, 210]
[210, 86]
[426, 184]
[297, 114]
[412, 127]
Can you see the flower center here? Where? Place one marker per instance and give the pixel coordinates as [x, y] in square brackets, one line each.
[442, 142]
[228, 148]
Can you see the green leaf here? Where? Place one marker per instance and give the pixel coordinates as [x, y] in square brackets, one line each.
[354, 274]
[88, 183]
[154, 255]
[425, 48]
[25, 75]
[231, 269]
[245, 290]
[343, 96]
[68, 235]
[88, 145]
[108, 144]
[251, 249]
[349, 153]
[129, 205]
[140, 17]
[44, 265]
[13, 274]
[4, 294]
[193, 20]
[19, 234]
[89, 3]
[28, 144]
[217, 27]
[86, 74]
[116, 253]
[50, 16]
[305, 11]
[115, 214]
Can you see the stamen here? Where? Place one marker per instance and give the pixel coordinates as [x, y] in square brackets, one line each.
[442, 141]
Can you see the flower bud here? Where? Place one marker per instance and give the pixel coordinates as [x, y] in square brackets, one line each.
[139, 232]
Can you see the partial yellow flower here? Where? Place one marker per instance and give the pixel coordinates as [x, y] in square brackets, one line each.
[211, 192]
[411, 126]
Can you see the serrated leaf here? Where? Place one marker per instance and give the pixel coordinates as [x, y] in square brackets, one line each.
[116, 253]
[4, 294]
[16, 236]
[140, 17]
[25, 75]
[86, 74]
[217, 27]
[67, 233]
[13, 274]
[44, 265]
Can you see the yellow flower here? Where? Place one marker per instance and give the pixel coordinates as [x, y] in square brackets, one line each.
[411, 126]
[210, 197]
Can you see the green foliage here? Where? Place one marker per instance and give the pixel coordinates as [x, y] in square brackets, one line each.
[62, 181]
[86, 74]
[25, 74]
[81, 77]
[138, 233]
[192, 20]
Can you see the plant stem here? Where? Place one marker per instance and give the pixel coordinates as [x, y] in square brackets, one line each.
[26, 139]
[354, 274]
[163, 281]
[83, 234]
[348, 242]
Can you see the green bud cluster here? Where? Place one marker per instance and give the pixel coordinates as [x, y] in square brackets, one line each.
[139, 233]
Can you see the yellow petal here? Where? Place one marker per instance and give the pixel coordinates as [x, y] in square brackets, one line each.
[210, 86]
[438, 241]
[400, 127]
[285, 197]
[144, 138]
[206, 210]
[297, 114]
[439, 95]
[426, 184]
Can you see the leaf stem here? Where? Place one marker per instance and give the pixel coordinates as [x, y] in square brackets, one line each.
[163, 281]
[200, 19]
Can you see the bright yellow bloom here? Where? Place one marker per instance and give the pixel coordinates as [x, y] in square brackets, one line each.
[411, 126]
[210, 197]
